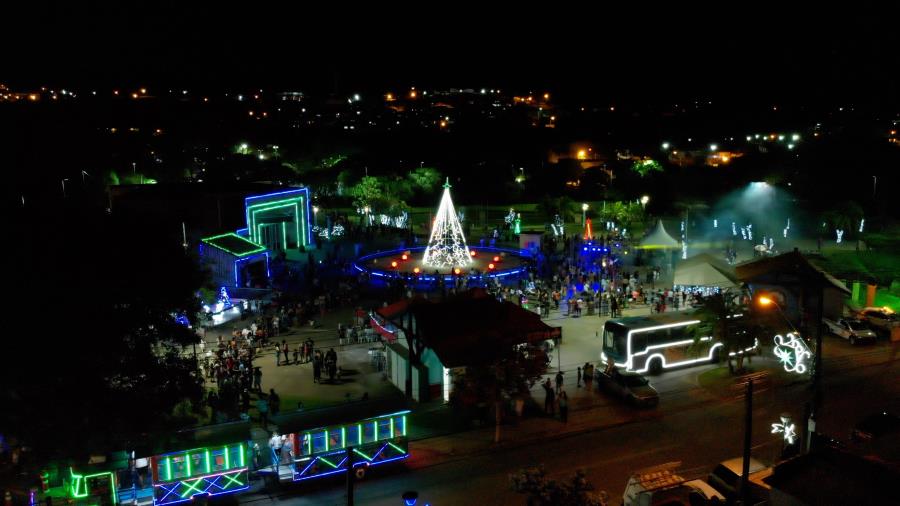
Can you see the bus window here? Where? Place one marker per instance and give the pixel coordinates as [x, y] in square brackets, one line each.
[178, 465]
[369, 429]
[319, 441]
[217, 460]
[335, 439]
[385, 428]
[399, 426]
[354, 436]
[615, 339]
[305, 444]
[198, 463]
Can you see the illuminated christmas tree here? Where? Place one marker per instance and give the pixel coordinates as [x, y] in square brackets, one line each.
[447, 245]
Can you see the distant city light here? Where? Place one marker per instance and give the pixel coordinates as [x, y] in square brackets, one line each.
[750, 138]
[665, 145]
[713, 147]
[795, 137]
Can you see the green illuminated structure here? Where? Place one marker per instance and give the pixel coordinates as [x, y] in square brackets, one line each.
[324, 450]
[279, 220]
[180, 476]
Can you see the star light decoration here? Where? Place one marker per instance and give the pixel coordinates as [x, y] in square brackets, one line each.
[793, 352]
[789, 430]
[447, 245]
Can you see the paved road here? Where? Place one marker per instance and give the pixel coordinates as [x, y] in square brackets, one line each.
[689, 426]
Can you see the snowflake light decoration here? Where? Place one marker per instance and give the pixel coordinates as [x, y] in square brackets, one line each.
[793, 352]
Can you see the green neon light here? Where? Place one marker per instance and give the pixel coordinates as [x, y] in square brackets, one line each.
[326, 440]
[207, 462]
[404, 425]
[359, 431]
[168, 469]
[299, 216]
[284, 235]
[191, 488]
[323, 459]
[188, 460]
[363, 455]
[79, 488]
[227, 459]
[392, 426]
[231, 480]
[343, 437]
[258, 248]
[375, 425]
[268, 206]
[241, 450]
[308, 443]
[401, 450]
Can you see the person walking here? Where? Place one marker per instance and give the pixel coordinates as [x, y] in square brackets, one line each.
[317, 369]
[586, 371]
[559, 381]
[286, 352]
[257, 379]
[563, 406]
[277, 356]
[274, 402]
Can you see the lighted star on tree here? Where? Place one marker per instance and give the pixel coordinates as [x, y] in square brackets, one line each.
[447, 245]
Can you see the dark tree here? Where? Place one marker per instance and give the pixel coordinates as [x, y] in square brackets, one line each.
[94, 357]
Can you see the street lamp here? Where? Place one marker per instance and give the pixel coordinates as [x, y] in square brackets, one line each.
[64, 186]
[644, 200]
[316, 215]
[584, 208]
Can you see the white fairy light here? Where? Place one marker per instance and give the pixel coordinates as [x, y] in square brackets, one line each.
[447, 245]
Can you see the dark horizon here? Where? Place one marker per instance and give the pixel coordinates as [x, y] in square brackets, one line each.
[653, 57]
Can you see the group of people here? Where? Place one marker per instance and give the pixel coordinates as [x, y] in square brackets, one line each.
[303, 353]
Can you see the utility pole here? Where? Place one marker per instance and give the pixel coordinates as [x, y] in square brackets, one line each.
[350, 476]
[748, 430]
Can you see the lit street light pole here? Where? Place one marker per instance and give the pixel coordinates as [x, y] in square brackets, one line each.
[64, 186]
[584, 208]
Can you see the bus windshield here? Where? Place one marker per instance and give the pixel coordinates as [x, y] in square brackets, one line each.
[615, 339]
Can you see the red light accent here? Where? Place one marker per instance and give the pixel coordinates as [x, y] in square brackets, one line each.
[491, 266]
[416, 270]
[404, 257]
[472, 252]
[394, 264]
[456, 271]
[496, 259]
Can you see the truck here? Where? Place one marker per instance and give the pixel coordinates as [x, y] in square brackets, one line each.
[659, 485]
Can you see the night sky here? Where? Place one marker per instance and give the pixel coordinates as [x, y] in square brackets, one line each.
[759, 52]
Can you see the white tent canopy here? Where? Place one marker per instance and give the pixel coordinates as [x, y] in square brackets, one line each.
[659, 239]
[704, 270]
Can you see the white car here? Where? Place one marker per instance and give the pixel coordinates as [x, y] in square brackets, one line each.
[662, 485]
[853, 330]
[880, 319]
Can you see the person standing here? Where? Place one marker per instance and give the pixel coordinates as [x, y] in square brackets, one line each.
[263, 407]
[277, 356]
[274, 402]
[549, 397]
[563, 406]
[257, 379]
[286, 351]
[586, 371]
[559, 381]
[578, 377]
[296, 354]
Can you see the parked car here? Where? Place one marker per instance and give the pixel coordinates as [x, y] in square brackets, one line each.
[876, 426]
[881, 319]
[661, 485]
[726, 478]
[630, 386]
[854, 330]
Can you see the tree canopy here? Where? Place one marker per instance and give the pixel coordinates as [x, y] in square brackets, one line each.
[97, 356]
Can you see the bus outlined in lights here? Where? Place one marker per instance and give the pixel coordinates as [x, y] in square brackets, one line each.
[658, 342]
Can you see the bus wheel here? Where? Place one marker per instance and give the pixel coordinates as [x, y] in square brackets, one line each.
[716, 356]
[655, 366]
[360, 472]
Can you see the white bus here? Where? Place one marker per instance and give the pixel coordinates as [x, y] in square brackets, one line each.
[657, 342]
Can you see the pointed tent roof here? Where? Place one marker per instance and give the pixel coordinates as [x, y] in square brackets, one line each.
[704, 270]
[659, 239]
